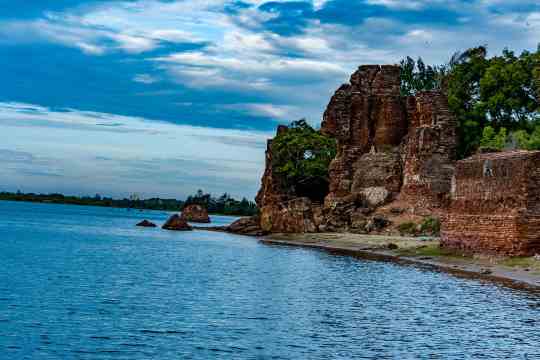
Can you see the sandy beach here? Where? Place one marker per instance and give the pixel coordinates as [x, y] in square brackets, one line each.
[424, 252]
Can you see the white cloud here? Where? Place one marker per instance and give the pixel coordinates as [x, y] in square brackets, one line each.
[145, 79]
[114, 154]
[282, 113]
[399, 4]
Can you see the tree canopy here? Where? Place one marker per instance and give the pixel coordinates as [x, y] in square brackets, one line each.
[224, 204]
[302, 154]
[416, 76]
[498, 92]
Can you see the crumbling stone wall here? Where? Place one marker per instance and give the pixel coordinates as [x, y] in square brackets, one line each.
[429, 152]
[388, 147]
[495, 205]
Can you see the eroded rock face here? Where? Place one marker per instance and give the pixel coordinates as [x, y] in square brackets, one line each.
[281, 210]
[389, 147]
[195, 213]
[177, 223]
[429, 152]
[299, 215]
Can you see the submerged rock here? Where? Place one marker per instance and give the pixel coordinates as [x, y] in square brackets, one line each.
[146, 223]
[177, 223]
[196, 213]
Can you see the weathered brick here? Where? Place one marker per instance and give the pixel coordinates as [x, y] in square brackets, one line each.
[495, 205]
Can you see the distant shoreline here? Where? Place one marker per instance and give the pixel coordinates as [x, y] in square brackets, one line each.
[120, 204]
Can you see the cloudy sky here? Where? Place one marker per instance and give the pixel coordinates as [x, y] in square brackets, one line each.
[162, 97]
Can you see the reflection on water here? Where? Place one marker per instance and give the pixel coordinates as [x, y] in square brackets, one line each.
[84, 283]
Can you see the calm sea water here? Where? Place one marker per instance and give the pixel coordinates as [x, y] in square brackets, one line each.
[84, 283]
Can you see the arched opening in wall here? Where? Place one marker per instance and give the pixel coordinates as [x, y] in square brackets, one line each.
[314, 189]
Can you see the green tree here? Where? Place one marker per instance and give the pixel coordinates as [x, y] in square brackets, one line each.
[302, 155]
[528, 141]
[417, 76]
[500, 91]
[491, 140]
[466, 71]
[507, 90]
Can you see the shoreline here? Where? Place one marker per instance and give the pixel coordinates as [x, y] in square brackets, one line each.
[376, 248]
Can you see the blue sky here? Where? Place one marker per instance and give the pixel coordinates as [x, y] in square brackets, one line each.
[161, 97]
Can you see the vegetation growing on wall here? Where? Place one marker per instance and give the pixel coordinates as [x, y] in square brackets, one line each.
[528, 140]
[302, 155]
[491, 140]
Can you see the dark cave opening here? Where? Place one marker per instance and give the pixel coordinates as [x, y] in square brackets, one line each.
[315, 189]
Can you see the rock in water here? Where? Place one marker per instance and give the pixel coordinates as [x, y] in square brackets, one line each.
[196, 213]
[146, 223]
[246, 226]
[177, 223]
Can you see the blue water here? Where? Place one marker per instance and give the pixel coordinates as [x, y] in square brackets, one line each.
[84, 283]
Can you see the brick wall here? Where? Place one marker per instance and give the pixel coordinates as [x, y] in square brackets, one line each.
[495, 205]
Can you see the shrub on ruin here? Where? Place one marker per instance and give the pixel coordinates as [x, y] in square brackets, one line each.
[407, 228]
[302, 155]
[528, 141]
[493, 140]
[431, 226]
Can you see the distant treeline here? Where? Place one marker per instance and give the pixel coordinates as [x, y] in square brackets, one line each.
[225, 204]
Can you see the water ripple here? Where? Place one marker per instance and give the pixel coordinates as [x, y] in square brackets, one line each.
[95, 287]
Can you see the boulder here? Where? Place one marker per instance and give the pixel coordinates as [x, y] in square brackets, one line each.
[376, 196]
[246, 226]
[196, 213]
[377, 223]
[146, 223]
[177, 223]
[358, 222]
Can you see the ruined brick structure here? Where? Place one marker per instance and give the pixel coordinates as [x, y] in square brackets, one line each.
[403, 147]
[389, 147]
[281, 210]
[495, 205]
[429, 152]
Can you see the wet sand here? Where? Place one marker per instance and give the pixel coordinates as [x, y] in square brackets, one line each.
[423, 252]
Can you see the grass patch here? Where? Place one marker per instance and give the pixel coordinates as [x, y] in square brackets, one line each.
[522, 263]
[431, 250]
